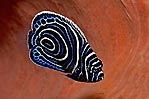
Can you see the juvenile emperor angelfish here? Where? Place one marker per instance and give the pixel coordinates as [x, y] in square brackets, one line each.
[56, 42]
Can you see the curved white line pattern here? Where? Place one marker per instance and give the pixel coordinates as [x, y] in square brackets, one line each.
[58, 43]
[45, 38]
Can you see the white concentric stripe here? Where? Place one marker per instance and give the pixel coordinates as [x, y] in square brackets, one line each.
[62, 40]
[92, 68]
[97, 67]
[50, 61]
[96, 62]
[46, 59]
[35, 35]
[79, 75]
[84, 49]
[99, 74]
[91, 64]
[83, 53]
[86, 65]
[69, 39]
[50, 41]
[44, 25]
[33, 41]
[92, 77]
[55, 47]
[48, 12]
[77, 40]
[97, 77]
[92, 60]
[53, 13]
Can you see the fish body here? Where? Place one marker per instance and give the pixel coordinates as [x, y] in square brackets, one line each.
[56, 42]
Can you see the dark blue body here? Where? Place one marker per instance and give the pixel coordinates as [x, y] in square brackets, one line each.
[56, 42]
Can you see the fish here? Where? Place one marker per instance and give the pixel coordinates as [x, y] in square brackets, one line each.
[56, 42]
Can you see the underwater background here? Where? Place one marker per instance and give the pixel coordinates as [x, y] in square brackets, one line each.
[117, 30]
